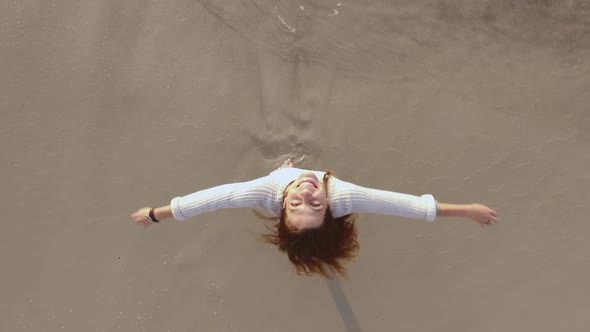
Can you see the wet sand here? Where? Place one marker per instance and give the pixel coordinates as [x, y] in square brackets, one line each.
[110, 106]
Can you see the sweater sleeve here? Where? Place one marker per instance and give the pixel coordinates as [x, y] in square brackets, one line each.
[346, 197]
[258, 193]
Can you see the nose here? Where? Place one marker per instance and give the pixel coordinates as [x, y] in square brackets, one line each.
[306, 192]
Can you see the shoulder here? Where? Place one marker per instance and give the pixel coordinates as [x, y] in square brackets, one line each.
[338, 182]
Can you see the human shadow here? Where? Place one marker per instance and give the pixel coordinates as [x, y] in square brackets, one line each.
[344, 308]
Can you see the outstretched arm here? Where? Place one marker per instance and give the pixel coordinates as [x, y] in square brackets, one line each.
[258, 193]
[351, 198]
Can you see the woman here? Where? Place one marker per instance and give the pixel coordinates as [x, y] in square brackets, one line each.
[314, 218]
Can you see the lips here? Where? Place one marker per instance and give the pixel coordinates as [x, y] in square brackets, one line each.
[307, 181]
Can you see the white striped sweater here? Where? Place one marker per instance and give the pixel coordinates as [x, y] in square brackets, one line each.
[267, 193]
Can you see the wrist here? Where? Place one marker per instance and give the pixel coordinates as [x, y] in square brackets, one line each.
[162, 213]
[150, 215]
[153, 216]
[455, 210]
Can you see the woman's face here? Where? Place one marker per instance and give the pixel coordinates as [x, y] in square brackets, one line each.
[306, 202]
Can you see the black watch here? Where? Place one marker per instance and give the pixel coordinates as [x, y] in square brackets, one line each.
[152, 216]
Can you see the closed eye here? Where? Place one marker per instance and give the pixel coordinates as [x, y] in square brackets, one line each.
[314, 205]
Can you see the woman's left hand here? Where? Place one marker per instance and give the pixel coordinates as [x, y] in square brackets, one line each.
[482, 215]
[141, 218]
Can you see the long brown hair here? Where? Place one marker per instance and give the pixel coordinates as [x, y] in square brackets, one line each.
[312, 250]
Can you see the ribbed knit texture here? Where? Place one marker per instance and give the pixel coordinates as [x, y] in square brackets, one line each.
[267, 193]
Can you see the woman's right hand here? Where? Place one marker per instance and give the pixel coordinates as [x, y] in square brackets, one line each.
[140, 217]
[287, 163]
[482, 215]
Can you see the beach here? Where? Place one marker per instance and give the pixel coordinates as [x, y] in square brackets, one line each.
[111, 106]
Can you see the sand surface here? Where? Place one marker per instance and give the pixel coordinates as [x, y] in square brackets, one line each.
[108, 106]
